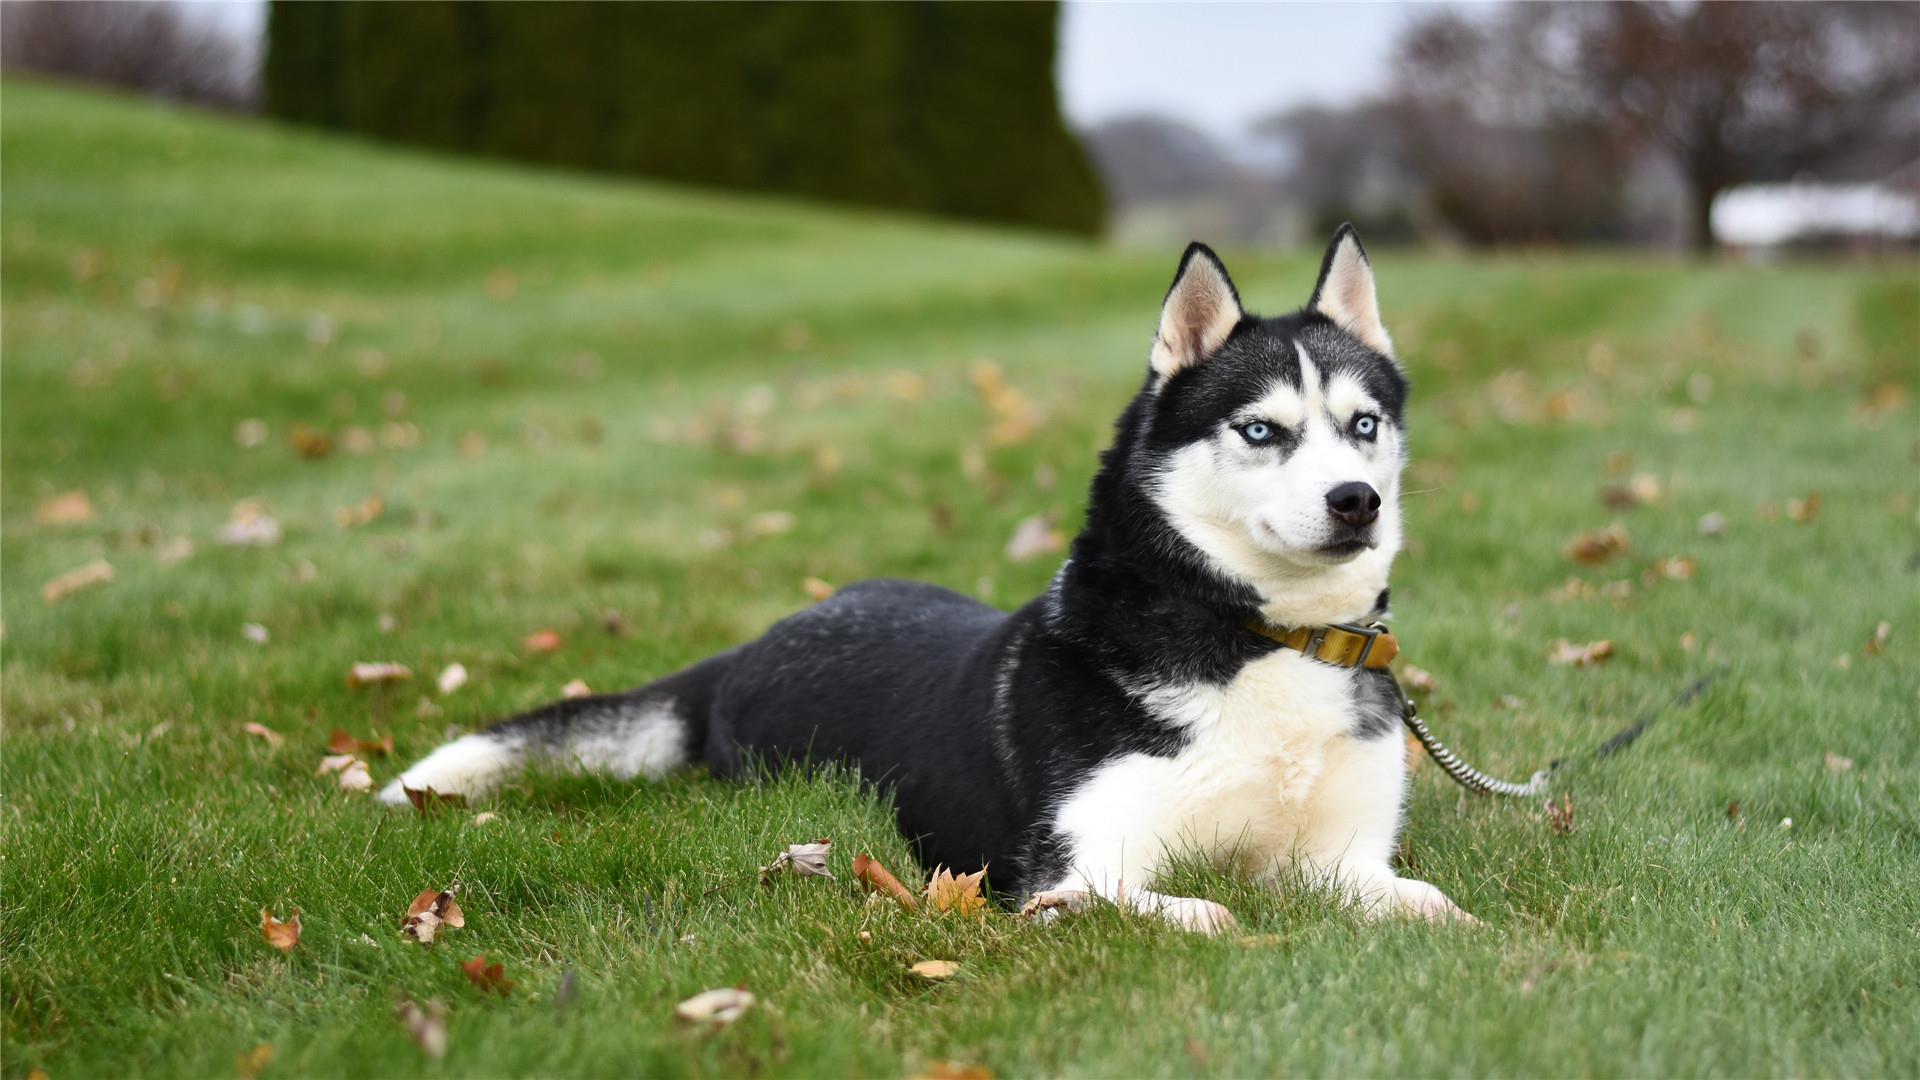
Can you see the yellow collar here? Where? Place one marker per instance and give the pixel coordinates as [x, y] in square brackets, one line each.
[1342, 644]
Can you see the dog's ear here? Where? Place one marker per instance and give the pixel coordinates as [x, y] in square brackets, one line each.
[1200, 310]
[1345, 293]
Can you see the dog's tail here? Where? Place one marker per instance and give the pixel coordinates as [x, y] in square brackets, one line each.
[646, 732]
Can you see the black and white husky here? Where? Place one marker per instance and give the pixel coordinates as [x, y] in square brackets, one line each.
[1139, 708]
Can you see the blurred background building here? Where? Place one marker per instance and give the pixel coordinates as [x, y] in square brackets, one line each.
[1758, 127]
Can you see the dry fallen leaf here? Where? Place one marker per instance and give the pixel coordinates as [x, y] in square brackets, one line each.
[935, 969]
[484, 817]
[1882, 633]
[961, 894]
[250, 433]
[309, 441]
[1713, 524]
[719, 1007]
[249, 1065]
[272, 737]
[341, 742]
[1033, 538]
[364, 512]
[948, 1070]
[355, 777]
[1418, 680]
[803, 860]
[1677, 568]
[1560, 815]
[66, 508]
[97, 572]
[368, 673]
[1563, 651]
[428, 801]
[875, 878]
[249, 526]
[575, 688]
[255, 633]
[1802, 511]
[426, 1027]
[542, 641]
[452, 677]
[487, 977]
[430, 911]
[1837, 764]
[816, 589]
[281, 935]
[1594, 548]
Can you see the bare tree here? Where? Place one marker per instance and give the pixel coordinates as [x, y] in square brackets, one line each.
[152, 47]
[1743, 92]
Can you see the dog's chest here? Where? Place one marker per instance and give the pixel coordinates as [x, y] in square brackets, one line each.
[1257, 750]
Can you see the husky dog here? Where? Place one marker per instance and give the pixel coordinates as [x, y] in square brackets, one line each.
[1170, 692]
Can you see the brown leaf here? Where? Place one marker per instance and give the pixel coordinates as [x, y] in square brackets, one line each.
[816, 589]
[1803, 511]
[249, 1065]
[429, 912]
[309, 441]
[718, 1007]
[1418, 680]
[1733, 810]
[428, 801]
[542, 641]
[97, 572]
[575, 688]
[262, 731]
[957, 894]
[281, 935]
[353, 772]
[340, 742]
[1712, 523]
[947, 1070]
[364, 512]
[1594, 548]
[876, 879]
[452, 677]
[426, 1027]
[1882, 633]
[66, 508]
[1837, 764]
[935, 970]
[1593, 653]
[367, 673]
[1676, 568]
[1560, 815]
[487, 977]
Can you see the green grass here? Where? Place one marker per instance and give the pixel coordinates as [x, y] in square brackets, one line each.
[167, 276]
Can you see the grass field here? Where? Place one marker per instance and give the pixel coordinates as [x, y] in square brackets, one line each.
[577, 397]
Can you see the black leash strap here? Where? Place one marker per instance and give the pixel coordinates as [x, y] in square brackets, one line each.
[1481, 784]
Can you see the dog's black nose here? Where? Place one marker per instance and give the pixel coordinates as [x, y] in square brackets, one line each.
[1354, 503]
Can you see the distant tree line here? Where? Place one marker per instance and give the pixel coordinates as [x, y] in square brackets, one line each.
[155, 48]
[941, 108]
[1565, 123]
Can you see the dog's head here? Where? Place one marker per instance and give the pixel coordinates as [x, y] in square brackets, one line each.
[1275, 446]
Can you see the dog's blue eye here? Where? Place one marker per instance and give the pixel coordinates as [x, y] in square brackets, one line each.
[1366, 426]
[1257, 433]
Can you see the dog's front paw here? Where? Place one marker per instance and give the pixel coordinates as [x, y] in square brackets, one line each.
[1419, 900]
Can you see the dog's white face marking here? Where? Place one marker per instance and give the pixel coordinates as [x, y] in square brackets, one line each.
[1260, 512]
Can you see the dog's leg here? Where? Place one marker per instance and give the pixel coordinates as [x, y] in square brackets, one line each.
[1354, 822]
[1079, 891]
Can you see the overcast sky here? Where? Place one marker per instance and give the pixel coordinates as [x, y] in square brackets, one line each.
[1216, 65]
[1221, 65]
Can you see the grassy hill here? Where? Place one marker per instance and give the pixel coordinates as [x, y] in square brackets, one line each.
[643, 417]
